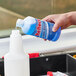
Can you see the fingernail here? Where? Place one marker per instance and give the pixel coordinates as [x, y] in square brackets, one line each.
[54, 30]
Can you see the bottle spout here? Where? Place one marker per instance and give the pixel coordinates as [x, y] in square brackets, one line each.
[16, 45]
[19, 23]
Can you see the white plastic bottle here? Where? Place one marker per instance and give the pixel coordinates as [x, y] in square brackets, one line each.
[16, 62]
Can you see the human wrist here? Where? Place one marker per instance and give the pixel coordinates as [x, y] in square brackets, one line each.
[69, 17]
[72, 17]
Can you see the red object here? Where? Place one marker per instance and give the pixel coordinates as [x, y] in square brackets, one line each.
[49, 73]
[2, 57]
[33, 55]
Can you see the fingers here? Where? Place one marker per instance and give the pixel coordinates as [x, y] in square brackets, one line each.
[46, 18]
[56, 26]
[49, 18]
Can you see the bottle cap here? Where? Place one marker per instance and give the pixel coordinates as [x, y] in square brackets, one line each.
[19, 23]
[33, 55]
[49, 73]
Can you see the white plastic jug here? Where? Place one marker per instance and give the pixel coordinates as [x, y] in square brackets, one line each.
[16, 62]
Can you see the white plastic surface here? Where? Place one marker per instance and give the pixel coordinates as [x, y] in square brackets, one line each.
[66, 42]
[16, 62]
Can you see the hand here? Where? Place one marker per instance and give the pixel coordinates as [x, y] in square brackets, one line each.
[60, 20]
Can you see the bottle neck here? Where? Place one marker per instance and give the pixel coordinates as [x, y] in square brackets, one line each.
[19, 23]
[16, 43]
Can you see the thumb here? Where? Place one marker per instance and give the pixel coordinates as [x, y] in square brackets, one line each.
[56, 26]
